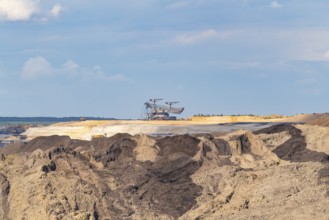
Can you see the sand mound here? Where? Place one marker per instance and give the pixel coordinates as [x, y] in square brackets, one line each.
[321, 120]
[146, 149]
[183, 144]
[316, 138]
[240, 175]
[68, 181]
[295, 148]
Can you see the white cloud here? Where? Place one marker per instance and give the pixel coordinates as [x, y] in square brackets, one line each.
[98, 73]
[178, 5]
[23, 10]
[201, 36]
[71, 65]
[56, 10]
[36, 67]
[17, 10]
[275, 4]
[196, 37]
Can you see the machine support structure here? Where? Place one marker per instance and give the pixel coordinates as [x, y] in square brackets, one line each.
[155, 111]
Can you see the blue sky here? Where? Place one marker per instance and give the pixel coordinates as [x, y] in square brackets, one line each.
[106, 58]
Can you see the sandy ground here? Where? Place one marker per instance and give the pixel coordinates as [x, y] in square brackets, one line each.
[86, 130]
[108, 129]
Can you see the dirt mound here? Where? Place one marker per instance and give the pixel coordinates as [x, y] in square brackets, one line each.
[317, 138]
[294, 149]
[114, 150]
[146, 149]
[245, 189]
[174, 177]
[222, 146]
[44, 143]
[321, 120]
[123, 187]
[103, 142]
[4, 191]
[178, 144]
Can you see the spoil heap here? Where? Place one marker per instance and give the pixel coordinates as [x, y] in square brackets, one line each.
[271, 173]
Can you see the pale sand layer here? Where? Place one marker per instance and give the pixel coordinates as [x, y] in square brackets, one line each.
[86, 130]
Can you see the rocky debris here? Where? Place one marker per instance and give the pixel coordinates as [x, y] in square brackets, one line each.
[270, 173]
[49, 167]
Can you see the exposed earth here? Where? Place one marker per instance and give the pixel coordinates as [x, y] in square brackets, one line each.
[277, 172]
[86, 130]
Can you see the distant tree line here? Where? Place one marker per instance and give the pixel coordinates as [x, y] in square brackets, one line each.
[211, 115]
[250, 115]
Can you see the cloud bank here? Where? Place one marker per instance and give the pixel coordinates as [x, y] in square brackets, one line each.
[56, 10]
[23, 10]
[17, 10]
[39, 67]
[36, 67]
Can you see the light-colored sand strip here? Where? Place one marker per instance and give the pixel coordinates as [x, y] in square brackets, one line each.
[88, 132]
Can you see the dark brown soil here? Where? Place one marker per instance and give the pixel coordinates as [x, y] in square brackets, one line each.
[178, 144]
[222, 146]
[4, 191]
[324, 177]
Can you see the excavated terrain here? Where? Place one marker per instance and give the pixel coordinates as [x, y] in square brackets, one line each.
[281, 172]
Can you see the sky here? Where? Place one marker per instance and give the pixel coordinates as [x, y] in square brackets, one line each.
[106, 58]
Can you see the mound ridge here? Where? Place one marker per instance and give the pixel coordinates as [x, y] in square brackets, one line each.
[294, 149]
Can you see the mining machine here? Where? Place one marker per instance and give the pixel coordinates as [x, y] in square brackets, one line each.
[155, 111]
